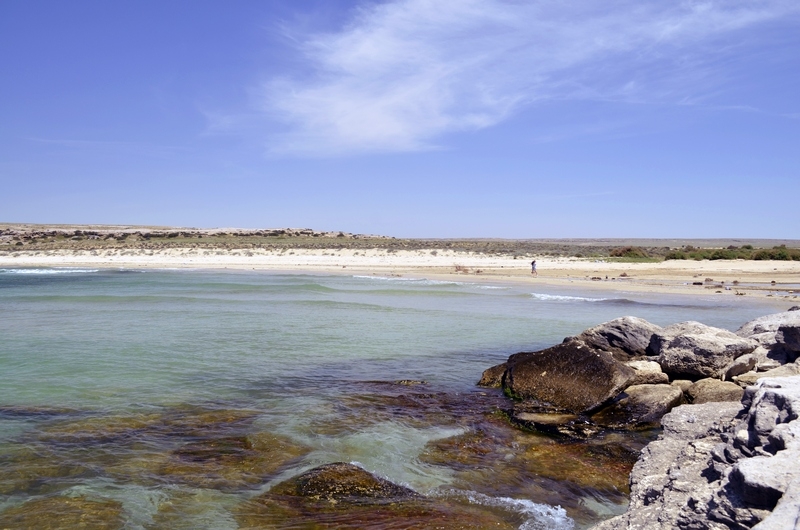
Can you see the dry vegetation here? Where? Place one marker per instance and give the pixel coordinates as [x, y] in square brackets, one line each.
[66, 237]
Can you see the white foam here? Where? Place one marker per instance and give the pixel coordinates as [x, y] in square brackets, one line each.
[417, 281]
[564, 298]
[426, 281]
[47, 271]
[540, 516]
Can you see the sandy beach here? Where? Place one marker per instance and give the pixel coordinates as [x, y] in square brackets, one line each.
[779, 280]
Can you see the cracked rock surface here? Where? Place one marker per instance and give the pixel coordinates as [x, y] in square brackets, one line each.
[722, 465]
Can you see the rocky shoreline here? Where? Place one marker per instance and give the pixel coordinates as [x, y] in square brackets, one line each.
[728, 404]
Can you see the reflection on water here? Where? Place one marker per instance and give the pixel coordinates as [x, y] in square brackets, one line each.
[179, 399]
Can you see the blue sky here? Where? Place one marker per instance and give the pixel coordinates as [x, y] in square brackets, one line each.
[411, 118]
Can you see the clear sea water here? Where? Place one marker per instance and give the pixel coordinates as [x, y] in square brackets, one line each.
[289, 348]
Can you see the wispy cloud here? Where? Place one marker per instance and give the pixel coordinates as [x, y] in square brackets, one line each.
[402, 73]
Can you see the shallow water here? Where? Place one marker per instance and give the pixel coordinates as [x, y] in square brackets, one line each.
[165, 399]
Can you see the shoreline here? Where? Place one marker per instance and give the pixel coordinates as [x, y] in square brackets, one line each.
[719, 278]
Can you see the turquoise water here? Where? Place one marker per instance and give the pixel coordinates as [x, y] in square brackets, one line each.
[289, 348]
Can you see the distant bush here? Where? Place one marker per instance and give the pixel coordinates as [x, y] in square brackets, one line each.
[747, 252]
[628, 252]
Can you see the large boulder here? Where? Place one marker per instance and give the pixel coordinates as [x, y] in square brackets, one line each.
[570, 376]
[639, 405]
[778, 334]
[648, 373]
[714, 390]
[625, 338]
[693, 350]
[769, 323]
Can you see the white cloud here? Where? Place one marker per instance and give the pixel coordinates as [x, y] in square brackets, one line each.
[402, 73]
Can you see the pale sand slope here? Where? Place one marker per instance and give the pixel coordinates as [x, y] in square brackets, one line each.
[674, 276]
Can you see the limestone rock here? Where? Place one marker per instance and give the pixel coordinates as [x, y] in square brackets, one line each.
[750, 378]
[722, 465]
[695, 350]
[647, 373]
[787, 513]
[714, 390]
[762, 480]
[740, 366]
[570, 376]
[769, 323]
[625, 337]
[683, 384]
[639, 405]
[778, 334]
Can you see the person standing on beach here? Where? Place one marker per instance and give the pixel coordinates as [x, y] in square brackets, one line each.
[533, 268]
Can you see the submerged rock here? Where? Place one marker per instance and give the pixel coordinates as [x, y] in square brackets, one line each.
[341, 495]
[230, 463]
[694, 350]
[570, 376]
[343, 482]
[57, 513]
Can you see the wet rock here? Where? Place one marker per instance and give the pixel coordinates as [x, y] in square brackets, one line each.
[493, 377]
[553, 422]
[57, 513]
[647, 373]
[342, 495]
[570, 376]
[639, 405]
[714, 390]
[625, 338]
[693, 350]
[342, 482]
